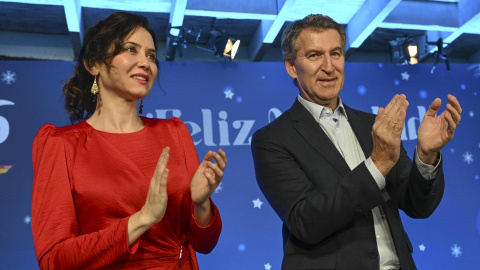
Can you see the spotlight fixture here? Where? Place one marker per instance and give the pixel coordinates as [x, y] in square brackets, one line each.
[223, 45]
[220, 44]
[410, 51]
[176, 41]
[405, 50]
[439, 54]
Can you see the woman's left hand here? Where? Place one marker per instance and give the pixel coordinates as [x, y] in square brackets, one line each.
[207, 177]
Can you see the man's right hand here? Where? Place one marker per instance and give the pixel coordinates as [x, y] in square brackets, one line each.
[386, 133]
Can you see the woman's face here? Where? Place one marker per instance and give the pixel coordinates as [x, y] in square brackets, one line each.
[132, 71]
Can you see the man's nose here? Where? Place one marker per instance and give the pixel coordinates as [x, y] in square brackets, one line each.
[327, 64]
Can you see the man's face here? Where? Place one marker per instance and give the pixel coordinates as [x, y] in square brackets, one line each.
[319, 67]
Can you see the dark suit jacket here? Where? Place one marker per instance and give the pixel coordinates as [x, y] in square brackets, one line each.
[326, 207]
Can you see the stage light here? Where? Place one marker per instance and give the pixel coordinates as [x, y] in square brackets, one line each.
[439, 54]
[226, 46]
[218, 42]
[410, 51]
[222, 44]
[176, 41]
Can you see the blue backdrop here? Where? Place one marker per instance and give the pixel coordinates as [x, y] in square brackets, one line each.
[223, 104]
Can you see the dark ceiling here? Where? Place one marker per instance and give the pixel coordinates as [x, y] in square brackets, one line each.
[53, 29]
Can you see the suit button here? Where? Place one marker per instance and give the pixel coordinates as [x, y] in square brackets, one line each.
[368, 215]
[373, 254]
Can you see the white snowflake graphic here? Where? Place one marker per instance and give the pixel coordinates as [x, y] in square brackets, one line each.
[456, 251]
[219, 188]
[27, 219]
[471, 114]
[267, 266]
[468, 158]
[476, 70]
[9, 77]
[422, 247]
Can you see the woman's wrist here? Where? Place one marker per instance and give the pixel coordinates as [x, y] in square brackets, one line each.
[138, 224]
[203, 213]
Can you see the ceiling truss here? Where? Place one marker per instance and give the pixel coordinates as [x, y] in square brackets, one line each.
[361, 18]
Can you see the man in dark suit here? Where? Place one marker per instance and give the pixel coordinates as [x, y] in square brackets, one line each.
[337, 177]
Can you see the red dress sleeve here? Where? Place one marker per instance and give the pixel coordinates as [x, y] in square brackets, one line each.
[57, 240]
[203, 239]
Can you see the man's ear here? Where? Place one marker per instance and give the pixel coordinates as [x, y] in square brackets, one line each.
[291, 69]
[91, 68]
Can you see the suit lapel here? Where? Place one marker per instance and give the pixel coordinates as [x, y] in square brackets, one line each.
[310, 130]
[362, 129]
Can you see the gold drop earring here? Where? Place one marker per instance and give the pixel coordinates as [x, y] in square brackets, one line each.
[95, 86]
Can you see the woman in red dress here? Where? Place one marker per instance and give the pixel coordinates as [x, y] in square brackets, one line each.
[115, 190]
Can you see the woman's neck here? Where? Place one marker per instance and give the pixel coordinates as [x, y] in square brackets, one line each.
[118, 117]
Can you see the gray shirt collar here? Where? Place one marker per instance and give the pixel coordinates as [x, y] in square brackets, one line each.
[318, 111]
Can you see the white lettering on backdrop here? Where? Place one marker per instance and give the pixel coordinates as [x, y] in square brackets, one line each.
[4, 126]
[214, 131]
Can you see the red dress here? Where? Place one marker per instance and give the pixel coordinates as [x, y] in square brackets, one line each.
[87, 183]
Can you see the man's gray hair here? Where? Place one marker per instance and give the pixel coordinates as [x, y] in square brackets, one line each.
[315, 22]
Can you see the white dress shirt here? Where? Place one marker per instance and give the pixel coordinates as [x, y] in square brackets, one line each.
[335, 124]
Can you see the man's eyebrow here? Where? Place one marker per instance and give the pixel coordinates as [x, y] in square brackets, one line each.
[313, 50]
[338, 49]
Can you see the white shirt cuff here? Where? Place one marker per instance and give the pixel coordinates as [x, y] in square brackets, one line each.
[428, 172]
[376, 174]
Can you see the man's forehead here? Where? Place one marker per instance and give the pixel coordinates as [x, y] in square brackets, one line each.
[308, 35]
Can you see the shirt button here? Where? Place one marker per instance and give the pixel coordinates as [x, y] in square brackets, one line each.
[378, 236]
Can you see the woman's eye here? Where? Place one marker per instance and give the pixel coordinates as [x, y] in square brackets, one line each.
[130, 49]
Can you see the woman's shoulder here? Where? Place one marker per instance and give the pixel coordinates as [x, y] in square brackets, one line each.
[52, 130]
[162, 123]
[173, 126]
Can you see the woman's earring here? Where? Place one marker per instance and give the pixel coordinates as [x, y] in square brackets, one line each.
[140, 109]
[94, 87]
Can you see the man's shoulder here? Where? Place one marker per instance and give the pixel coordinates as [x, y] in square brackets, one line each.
[357, 113]
[279, 123]
[277, 130]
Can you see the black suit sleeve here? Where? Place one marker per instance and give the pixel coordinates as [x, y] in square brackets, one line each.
[418, 197]
[313, 200]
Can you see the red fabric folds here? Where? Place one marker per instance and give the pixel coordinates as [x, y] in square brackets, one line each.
[86, 185]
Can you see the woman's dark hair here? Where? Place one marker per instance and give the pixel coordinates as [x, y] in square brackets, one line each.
[97, 48]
